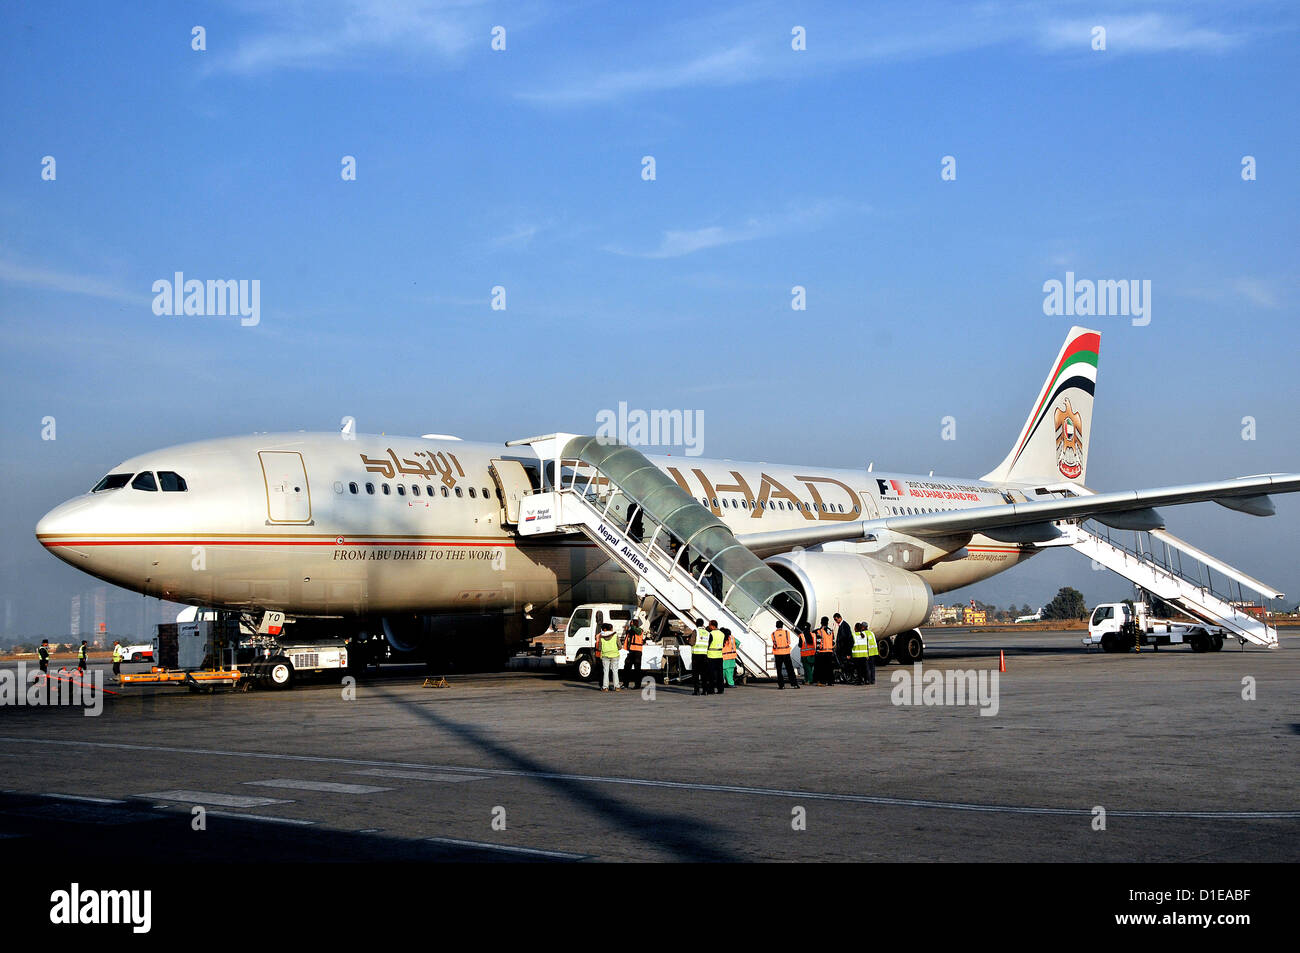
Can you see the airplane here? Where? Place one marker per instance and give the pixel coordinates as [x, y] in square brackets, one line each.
[409, 539]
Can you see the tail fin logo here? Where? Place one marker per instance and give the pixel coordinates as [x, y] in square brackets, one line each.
[1069, 441]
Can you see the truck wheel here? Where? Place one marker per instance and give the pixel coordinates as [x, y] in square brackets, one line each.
[1109, 643]
[886, 648]
[585, 667]
[279, 672]
[908, 647]
[1216, 643]
[1199, 642]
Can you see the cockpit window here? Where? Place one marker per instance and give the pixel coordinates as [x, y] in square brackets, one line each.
[114, 481]
[171, 482]
[145, 481]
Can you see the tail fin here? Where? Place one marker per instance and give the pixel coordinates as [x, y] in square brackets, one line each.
[1054, 441]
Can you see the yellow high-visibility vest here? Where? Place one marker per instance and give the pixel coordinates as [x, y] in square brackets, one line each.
[701, 645]
[715, 643]
[871, 642]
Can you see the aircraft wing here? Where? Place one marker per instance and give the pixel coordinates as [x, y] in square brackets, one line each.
[1032, 520]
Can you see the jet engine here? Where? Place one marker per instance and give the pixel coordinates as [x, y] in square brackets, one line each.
[859, 588]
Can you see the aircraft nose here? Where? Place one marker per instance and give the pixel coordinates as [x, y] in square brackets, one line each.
[60, 525]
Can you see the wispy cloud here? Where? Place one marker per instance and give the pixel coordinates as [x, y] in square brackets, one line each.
[733, 64]
[751, 43]
[337, 33]
[34, 276]
[520, 235]
[676, 242]
[1258, 291]
[1141, 33]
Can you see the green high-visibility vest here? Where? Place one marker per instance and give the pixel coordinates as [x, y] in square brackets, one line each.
[701, 645]
[716, 639]
[871, 641]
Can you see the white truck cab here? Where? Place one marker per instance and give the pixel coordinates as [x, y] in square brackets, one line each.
[580, 637]
[1121, 626]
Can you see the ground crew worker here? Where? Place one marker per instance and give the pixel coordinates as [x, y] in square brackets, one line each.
[824, 663]
[81, 658]
[608, 649]
[117, 661]
[716, 640]
[700, 659]
[807, 652]
[843, 637]
[43, 656]
[872, 651]
[781, 654]
[860, 651]
[634, 643]
[728, 658]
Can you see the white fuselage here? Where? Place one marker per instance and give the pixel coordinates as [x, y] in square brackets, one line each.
[325, 525]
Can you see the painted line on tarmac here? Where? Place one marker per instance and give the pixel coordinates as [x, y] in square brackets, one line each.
[211, 797]
[419, 775]
[677, 785]
[533, 851]
[233, 815]
[331, 787]
[82, 797]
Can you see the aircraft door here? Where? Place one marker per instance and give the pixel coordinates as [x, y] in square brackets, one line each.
[288, 497]
[868, 505]
[514, 483]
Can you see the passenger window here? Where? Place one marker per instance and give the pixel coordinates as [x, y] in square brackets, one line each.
[444, 491]
[472, 494]
[715, 504]
[370, 488]
[401, 489]
[486, 494]
[114, 481]
[352, 488]
[459, 492]
[145, 481]
[385, 488]
[724, 503]
[171, 482]
[415, 489]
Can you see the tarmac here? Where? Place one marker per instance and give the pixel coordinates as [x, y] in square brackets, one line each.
[1089, 757]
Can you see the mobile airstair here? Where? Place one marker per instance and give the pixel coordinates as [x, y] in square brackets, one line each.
[675, 549]
[1181, 575]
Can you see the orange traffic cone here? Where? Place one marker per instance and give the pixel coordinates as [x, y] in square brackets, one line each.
[1002, 661]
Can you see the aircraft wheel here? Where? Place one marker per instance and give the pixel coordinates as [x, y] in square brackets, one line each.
[885, 646]
[908, 647]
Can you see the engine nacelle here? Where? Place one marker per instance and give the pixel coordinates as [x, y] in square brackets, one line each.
[859, 588]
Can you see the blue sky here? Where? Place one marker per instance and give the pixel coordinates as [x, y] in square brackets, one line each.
[774, 168]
